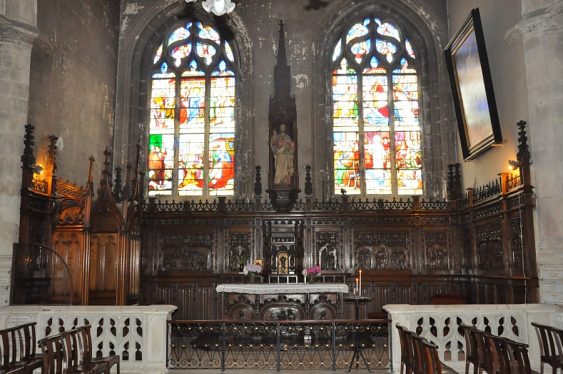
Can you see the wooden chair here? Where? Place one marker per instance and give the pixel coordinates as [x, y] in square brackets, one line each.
[85, 341]
[551, 346]
[471, 352]
[71, 352]
[519, 360]
[482, 349]
[431, 359]
[407, 354]
[498, 355]
[418, 364]
[18, 349]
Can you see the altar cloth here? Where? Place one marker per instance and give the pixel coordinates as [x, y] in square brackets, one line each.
[273, 289]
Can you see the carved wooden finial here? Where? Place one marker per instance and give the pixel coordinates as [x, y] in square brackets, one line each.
[282, 56]
[523, 148]
[105, 180]
[454, 182]
[117, 190]
[258, 182]
[308, 183]
[27, 159]
[53, 152]
[106, 173]
[130, 181]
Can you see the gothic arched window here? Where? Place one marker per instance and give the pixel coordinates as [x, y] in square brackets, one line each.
[192, 113]
[375, 111]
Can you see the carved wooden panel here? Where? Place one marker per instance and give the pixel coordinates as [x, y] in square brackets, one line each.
[69, 246]
[239, 250]
[436, 251]
[382, 251]
[103, 268]
[186, 252]
[328, 252]
[516, 244]
[490, 252]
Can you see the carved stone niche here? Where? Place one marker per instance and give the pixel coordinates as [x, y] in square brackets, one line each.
[283, 252]
[239, 244]
[327, 254]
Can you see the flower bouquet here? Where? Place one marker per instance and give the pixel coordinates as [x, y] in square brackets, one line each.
[251, 270]
[311, 272]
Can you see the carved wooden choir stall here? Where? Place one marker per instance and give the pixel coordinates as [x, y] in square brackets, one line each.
[72, 249]
[118, 249]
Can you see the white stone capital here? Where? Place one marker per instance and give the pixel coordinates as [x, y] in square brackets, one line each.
[16, 32]
[547, 19]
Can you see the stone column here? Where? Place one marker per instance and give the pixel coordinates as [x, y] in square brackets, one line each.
[17, 31]
[542, 32]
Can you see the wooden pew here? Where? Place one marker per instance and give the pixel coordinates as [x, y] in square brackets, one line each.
[551, 346]
[71, 352]
[418, 355]
[494, 354]
[18, 349]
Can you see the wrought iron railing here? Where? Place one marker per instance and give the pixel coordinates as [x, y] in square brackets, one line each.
[278, 345]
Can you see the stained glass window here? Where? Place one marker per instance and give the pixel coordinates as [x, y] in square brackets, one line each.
[192, 114]
[375, 111]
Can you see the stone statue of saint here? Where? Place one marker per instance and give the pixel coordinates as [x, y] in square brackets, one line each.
[283, 149]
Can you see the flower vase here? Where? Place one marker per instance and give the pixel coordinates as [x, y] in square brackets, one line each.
[251, 277]
[311, 278]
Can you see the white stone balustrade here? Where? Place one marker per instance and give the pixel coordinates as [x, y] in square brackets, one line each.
[439, 324]
[136, 333]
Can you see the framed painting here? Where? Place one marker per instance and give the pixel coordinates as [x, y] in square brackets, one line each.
[472, 89]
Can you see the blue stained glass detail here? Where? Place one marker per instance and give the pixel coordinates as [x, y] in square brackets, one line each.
[337, 50]
[389, 30]
[356, 31]
[410, 51]
[388, 105]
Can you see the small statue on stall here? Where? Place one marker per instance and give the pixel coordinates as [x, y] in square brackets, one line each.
[283, 149]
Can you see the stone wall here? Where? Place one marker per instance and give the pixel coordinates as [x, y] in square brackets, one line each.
[506, 61]
[525, 51]
[17, 30]
[72, 89]
[541, 31]
[310, 37]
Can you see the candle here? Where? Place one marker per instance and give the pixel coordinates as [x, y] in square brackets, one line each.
[356, 288]
[360, 286]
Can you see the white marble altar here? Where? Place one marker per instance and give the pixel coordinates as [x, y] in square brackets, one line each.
[276, 289]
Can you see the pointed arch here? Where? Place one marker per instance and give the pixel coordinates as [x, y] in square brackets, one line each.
[143, 31]
[426, 40]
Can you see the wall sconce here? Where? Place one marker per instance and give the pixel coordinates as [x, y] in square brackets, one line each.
[513, 164]
[37, 169]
